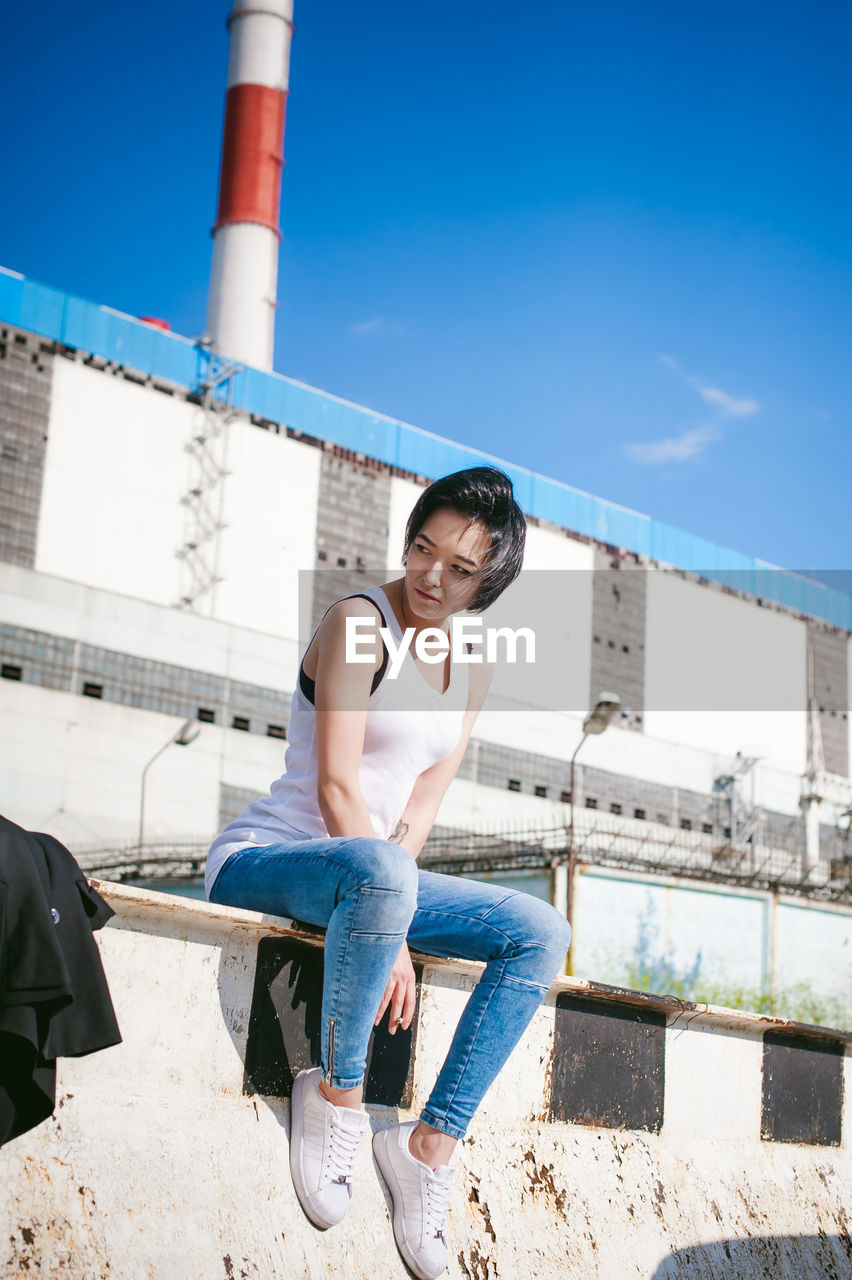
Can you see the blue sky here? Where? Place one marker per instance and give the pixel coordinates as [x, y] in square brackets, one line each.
[608, 241]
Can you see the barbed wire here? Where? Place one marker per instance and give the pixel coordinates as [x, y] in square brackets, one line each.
[601, 842]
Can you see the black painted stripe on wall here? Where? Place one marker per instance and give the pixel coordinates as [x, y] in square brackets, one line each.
[802, 1089]
[284, 1028]
[609, 1064]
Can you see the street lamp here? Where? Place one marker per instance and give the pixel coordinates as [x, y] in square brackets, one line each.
[186, 734]
[601, 715]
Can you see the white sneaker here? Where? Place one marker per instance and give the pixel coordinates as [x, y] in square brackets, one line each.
[421, 1197]
[324, 1141]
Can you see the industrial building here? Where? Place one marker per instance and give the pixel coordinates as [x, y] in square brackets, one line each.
[165, 512]
[175, 517]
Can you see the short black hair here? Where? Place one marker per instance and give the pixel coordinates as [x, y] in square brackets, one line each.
[485, 495]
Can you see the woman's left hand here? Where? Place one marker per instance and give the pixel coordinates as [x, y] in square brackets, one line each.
[400, 993]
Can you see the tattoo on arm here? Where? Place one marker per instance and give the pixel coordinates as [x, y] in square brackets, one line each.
[399, 832]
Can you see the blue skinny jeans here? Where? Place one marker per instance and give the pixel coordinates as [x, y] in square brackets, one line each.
[371, 896]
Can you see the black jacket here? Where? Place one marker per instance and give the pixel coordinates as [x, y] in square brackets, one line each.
[54, 998]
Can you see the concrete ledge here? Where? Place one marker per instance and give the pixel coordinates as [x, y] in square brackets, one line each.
[628, 1136]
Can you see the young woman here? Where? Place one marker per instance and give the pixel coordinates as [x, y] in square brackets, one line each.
[373, 746]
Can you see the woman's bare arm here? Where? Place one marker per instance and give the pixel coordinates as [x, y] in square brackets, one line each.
[342, 692]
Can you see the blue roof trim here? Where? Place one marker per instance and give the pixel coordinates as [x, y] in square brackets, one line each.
[129, 342]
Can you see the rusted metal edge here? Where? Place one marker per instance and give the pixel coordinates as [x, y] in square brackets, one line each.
[689, 1011]
[128, 902]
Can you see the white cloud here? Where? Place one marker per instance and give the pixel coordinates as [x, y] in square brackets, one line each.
[377, 325]
[690, 443]
[730, 407]
[367, 326]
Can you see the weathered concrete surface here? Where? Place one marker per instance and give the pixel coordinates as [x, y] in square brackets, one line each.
[157, 1165]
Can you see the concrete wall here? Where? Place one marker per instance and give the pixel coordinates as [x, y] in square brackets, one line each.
[813, 947]
[723, 674]
[403, 495]
[829, 678]
[26, 371]
[628, 1138]
[127, 624]
[353, 508]
[113, 516]
[270, 514]
[625, 922]
[619, 629]
[848, 690]
[73, 765]
[552, 597]
[114, 474]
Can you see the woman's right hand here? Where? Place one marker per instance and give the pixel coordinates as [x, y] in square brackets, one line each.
[400, 993]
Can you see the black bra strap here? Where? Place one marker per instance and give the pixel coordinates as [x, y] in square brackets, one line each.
[308, 686]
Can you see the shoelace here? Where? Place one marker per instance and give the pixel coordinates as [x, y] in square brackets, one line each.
[437, 1201]
[343, 1143]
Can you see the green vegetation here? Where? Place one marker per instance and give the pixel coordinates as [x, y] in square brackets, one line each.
[646, 968]
[801, 1002]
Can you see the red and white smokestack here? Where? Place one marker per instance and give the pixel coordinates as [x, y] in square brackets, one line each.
[244, 275]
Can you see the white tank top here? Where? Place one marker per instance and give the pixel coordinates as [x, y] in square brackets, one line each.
[410, 726]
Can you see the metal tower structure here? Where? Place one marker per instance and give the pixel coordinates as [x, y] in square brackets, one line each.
[745, 814]
[204, 499]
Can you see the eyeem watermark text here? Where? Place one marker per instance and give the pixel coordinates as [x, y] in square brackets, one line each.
[469, 641]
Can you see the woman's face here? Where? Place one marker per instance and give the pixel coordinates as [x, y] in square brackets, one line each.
[441, 572]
